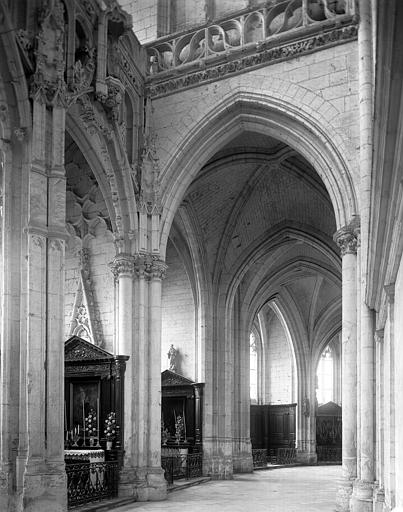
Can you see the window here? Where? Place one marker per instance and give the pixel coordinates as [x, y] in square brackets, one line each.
[253, 368]
[324, 374]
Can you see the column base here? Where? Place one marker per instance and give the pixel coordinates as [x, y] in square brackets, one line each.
[344, 494]
[143, 484]
[44, 487]
[362, 498]
[242, 463]
[7, 499]
[379, 499]
[307, 457]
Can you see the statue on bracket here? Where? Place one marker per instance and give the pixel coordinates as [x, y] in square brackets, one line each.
[173, 357]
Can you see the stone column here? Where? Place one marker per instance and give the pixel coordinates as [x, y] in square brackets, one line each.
[379, 492]
[142, 476]
[389, 358]
[123, 270]
[397, 403]
[362, 500]
[43, 485]
[155, 477]
[306, 416]
[347, 241]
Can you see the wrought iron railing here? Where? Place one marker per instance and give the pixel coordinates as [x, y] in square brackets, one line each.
[248, 28]
[182, 466]
[328, 453]
[259, 457]
[282, 455]
[88, 482]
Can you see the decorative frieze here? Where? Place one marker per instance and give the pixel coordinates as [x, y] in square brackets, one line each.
[264, 53]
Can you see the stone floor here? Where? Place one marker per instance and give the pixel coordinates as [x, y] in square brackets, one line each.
[286, 489]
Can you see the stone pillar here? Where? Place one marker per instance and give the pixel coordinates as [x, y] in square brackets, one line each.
[363, 487]
[142, 476]
[397, 402]
[155, 477]
[306, 417]
[347, 241]
[379, 492]
[389, 359]
[241, 444]
[123, 270]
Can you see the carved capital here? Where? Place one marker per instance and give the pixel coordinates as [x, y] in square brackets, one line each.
[123, 264]
[150, 267]
[346, 238]
[158, 269]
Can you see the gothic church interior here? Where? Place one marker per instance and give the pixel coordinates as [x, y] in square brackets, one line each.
[201, 246]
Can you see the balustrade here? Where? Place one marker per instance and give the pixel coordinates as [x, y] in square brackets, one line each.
[248, 28]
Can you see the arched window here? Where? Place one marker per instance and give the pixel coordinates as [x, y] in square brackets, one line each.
[324, 374]
[253, 367]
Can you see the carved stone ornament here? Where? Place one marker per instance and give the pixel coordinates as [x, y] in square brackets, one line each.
[123, 264]
[148, 267]
[265, 55]
[158, 269]
[149, 194]
[346, 239]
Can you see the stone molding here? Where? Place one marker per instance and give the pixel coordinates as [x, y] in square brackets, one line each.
[165, 84]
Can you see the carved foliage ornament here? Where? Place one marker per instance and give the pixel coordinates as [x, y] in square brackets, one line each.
[123, 264]
[346, 239]
[48, 84]
[143, 266]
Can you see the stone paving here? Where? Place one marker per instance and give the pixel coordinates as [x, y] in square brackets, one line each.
[292, 489]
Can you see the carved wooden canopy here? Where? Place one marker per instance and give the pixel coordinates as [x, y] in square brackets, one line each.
[82, 358]
[169, 378]
[329, 409]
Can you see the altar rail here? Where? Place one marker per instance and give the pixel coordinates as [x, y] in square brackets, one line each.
[89, 482]
[248, 28]
[282, 455]
[182, 466]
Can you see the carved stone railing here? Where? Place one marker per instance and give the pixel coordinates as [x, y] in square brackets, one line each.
[247, 29]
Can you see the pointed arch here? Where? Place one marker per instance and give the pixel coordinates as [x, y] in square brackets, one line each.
[261, 113]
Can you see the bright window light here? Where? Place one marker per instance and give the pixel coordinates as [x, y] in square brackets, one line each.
[253, 367]
[325, 377]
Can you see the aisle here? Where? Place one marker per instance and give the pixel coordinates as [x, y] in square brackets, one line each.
[293, 489]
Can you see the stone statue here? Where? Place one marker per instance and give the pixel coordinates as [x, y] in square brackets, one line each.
[173, 358]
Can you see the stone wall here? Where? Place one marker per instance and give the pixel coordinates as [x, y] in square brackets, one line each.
[178, 316]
